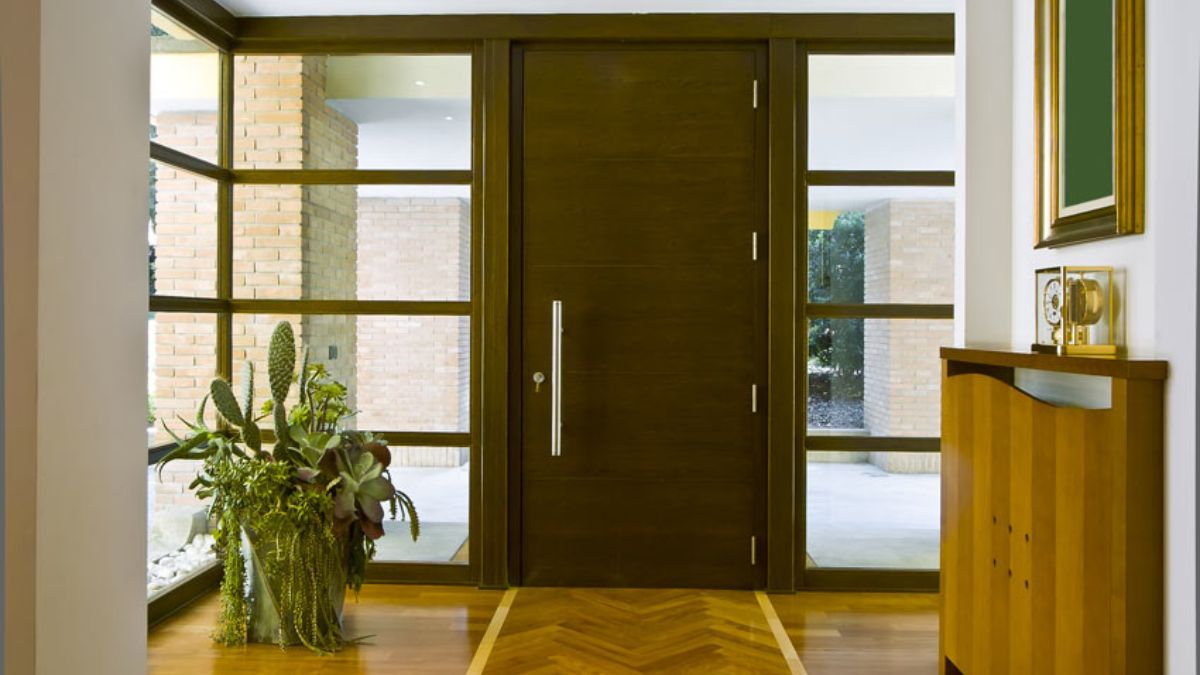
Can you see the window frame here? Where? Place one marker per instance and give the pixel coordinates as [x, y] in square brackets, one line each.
[224, 306]
[838, 578]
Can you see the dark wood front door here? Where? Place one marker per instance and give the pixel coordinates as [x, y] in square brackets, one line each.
[640, 196]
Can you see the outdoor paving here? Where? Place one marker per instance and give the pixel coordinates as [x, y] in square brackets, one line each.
[862, 516]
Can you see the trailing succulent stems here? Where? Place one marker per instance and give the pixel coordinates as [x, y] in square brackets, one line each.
[309, 509]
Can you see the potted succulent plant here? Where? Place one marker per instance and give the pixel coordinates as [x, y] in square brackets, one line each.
[295, 524]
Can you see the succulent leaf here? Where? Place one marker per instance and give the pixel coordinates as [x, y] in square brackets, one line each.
[377, 488]
[200, 413]
[343, 504]
[371, 508]
[281, 361]
[226, 402]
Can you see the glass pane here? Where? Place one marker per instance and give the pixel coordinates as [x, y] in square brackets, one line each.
[437, 480]
[185, 86]
[883, 112]
[182, 363]
[405, 373]
[873, 509]
[347, 242]
[876, 377]
[352, 112]
[178, 542]
[881, 244]
[182, 233]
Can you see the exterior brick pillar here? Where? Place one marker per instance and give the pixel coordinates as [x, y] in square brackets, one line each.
[909, 257]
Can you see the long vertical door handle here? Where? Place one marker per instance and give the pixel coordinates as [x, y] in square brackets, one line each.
[556, 330]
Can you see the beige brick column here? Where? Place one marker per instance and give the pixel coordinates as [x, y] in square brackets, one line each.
[909, 258]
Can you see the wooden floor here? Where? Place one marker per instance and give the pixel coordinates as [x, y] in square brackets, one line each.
[862, 633]
[416, 629]
[424, 629]
[557, 630]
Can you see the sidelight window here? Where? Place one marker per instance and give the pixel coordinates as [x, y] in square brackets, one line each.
[333, 191]
[879, 228]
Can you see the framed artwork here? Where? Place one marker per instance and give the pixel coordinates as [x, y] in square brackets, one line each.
[1090, 120]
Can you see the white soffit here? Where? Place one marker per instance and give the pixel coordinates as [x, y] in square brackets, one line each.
[400, 7]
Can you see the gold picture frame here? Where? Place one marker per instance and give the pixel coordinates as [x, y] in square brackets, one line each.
[1090, 129]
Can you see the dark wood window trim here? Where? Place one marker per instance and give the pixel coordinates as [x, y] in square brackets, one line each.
[490, 39]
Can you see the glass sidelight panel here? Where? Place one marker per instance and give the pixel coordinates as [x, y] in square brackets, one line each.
[182, 233]
[182, 361]
[352, 242]
[369, 111]
[881, 112]
[881, 245]
[405, 373]
[438, 481]
[875, 377]
[185, 86]
[873, 510]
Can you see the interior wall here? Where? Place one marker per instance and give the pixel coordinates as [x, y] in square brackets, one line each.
[19, 39]
[1158, 268]
[983, 182]
[91, 336]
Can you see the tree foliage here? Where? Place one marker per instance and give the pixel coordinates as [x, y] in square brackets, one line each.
[836, 275]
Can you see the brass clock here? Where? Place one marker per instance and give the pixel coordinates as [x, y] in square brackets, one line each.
[1074, 307]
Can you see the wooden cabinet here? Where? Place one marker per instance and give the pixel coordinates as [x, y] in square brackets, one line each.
[1052, 520]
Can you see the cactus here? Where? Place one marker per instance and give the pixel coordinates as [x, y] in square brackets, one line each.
[302, 378]
[281, 432]
[252, 436]
[226, 402]
[281, 367]
[281, 361]
[248, 392]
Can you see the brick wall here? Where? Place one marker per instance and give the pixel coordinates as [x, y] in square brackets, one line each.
[909, 258]
[414, 372]
[293, 242]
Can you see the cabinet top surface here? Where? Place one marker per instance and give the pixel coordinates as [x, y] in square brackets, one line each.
[1128, 369]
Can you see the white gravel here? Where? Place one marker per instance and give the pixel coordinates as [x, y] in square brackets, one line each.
[176, 566]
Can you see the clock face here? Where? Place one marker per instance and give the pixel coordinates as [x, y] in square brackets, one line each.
[1052, 301]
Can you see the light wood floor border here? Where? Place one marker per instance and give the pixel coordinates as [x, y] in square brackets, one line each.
[780, 633]
[484, 650]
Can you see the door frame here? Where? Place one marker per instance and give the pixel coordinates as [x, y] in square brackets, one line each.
[516, 356]
[490, 39]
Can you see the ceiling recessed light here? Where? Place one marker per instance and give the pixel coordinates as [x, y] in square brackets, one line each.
[449, 118]
[419, 83]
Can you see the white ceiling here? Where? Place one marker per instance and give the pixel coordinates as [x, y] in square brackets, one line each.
[360, 7]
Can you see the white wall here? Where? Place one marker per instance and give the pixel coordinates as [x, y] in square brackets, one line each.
[983, 256]
[92, 285]
[1159, 267]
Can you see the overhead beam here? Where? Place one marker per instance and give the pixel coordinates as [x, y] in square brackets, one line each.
[333, 34]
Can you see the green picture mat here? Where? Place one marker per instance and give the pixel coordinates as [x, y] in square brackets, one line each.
[1087, 101]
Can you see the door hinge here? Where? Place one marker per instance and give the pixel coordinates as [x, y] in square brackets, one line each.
[753, 550]
[754, 398]
[754, 246]
[754, 93]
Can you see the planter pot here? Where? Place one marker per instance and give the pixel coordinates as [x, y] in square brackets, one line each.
[262, 590]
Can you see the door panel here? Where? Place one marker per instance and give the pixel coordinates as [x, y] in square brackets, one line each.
[640, 192]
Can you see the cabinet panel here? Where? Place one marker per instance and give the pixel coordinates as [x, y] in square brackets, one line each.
[1049, 516]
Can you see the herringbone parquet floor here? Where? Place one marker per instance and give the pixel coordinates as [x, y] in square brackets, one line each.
[619, 632]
